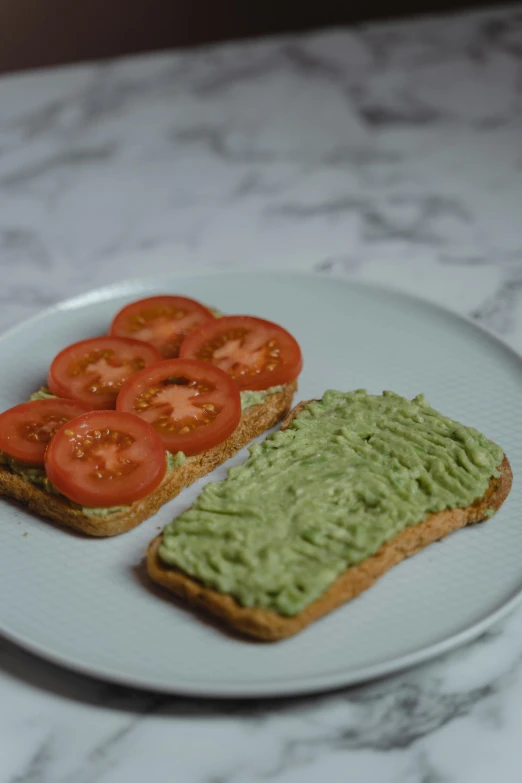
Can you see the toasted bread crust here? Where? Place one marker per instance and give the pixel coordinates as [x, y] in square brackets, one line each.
[254, 422]
[267, 625]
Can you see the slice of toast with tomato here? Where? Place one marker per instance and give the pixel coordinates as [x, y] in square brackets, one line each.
[254, 421]
[125, 427]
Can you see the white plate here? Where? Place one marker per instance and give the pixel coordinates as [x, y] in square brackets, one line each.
[86, 604]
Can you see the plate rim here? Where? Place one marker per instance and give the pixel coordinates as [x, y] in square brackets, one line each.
[273, 688]
[301, 686]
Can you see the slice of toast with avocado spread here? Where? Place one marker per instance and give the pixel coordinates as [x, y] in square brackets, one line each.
[347, 488]
[32, 488]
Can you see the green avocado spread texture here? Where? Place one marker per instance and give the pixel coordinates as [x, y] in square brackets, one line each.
[351, 472]
[251, 398]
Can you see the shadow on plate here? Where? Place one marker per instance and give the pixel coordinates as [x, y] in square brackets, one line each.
[139, 572]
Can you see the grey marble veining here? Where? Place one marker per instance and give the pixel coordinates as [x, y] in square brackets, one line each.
[387, 153]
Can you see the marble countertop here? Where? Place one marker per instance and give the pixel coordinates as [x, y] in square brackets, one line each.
[388, 153]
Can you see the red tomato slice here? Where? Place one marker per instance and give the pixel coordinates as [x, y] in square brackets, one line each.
[191, 405]
[27, 429]
[105, 458]
[257, 354]
[162, 321]
[93, 371]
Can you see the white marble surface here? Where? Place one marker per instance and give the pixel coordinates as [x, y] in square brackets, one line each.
[391, 154]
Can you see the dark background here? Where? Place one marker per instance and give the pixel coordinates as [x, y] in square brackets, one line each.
[46, 32]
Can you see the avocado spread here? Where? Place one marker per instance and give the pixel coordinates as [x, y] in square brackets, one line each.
[43, 393]
[351, 472]
[251, 398]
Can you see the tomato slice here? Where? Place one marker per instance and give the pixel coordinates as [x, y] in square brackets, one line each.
[257, 354]
[106, 458]
[191, 405]
[27, 429]
[162, 321]
[93, 371]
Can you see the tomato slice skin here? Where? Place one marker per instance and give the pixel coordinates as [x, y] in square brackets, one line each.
[161, 321]
[106, 458]
[27, 429]
[93, 370]
[192, 406]
[256, 353]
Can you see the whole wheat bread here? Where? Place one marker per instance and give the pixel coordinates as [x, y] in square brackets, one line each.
[254, 422]
[269, 625]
